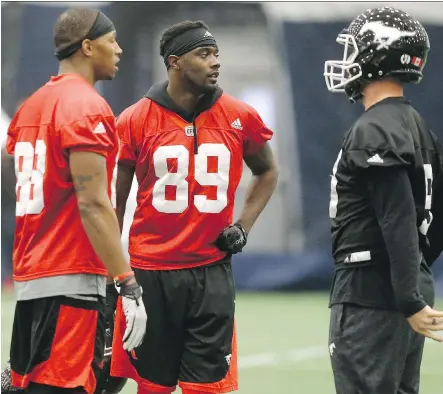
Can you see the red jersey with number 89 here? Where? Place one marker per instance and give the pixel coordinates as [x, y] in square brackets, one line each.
[64, 115]
[185, 198]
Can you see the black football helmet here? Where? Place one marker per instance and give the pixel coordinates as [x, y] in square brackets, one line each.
[381, 42]
[7, 386]
[106, 383]
[6, 378]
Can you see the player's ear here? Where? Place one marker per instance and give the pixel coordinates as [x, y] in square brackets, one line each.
[87, 47]
[173, 62]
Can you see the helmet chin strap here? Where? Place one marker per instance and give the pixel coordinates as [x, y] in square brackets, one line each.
[354, 90]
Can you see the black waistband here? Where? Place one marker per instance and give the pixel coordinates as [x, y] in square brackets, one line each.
[376, 258]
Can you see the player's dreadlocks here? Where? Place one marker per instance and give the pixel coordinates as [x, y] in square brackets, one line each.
[176, 30]
[72, 26]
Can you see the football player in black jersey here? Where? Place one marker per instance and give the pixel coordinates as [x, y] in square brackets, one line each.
[386, 211]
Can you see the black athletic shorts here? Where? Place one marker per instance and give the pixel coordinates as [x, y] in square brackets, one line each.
[373, 351]
[190, 338]
[58, 341]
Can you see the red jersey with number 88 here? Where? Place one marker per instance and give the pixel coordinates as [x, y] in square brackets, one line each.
[64, 115]
[184, 199]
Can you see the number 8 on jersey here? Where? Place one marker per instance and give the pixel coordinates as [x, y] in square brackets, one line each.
[30, 167]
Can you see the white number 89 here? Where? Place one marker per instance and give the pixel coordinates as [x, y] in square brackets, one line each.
[202, 176]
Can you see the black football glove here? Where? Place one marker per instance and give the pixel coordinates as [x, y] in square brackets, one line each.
[232, 239]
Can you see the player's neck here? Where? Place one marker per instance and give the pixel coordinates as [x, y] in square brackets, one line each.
[68, 67]
[182, 97]
[380, 90]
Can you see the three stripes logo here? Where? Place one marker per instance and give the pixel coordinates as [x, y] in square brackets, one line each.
[376, 159]
[100, 129]
[236, 124]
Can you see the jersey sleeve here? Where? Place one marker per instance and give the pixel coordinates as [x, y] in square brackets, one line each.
[94, 133]
[256, 133]
[370, 144]
[391, 196]
[128, 145]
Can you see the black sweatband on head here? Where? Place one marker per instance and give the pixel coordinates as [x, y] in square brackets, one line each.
[188, 41]
[102, 25]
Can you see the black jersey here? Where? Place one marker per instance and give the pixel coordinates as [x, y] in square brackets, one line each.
[390, 136]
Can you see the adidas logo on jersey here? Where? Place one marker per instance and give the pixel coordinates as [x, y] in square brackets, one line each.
[99, 129]
[207, 34]
[236, 124]
[376, 159]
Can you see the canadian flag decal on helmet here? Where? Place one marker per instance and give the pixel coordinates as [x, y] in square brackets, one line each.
[417, 62]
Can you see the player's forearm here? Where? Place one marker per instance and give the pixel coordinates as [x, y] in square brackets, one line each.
[101, 227]
[125, 176]
[393, 202]
[259, 193]
[405, 261]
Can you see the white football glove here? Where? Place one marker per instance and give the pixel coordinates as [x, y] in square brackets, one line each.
[135, 314]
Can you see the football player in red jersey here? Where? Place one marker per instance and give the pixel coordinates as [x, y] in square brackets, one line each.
[67, 238]
[186, 141]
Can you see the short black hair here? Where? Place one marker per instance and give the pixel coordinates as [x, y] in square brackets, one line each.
[72, 26]
[177, 29]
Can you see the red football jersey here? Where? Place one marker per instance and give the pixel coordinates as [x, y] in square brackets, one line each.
[185, 200]
[64, 115]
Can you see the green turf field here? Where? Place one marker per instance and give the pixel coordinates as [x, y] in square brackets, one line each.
[282, 345]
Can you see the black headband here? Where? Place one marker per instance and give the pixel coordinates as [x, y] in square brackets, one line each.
[102, 25]
[188, 41]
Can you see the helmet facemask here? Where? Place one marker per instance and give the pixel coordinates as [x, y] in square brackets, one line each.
[339, 73]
